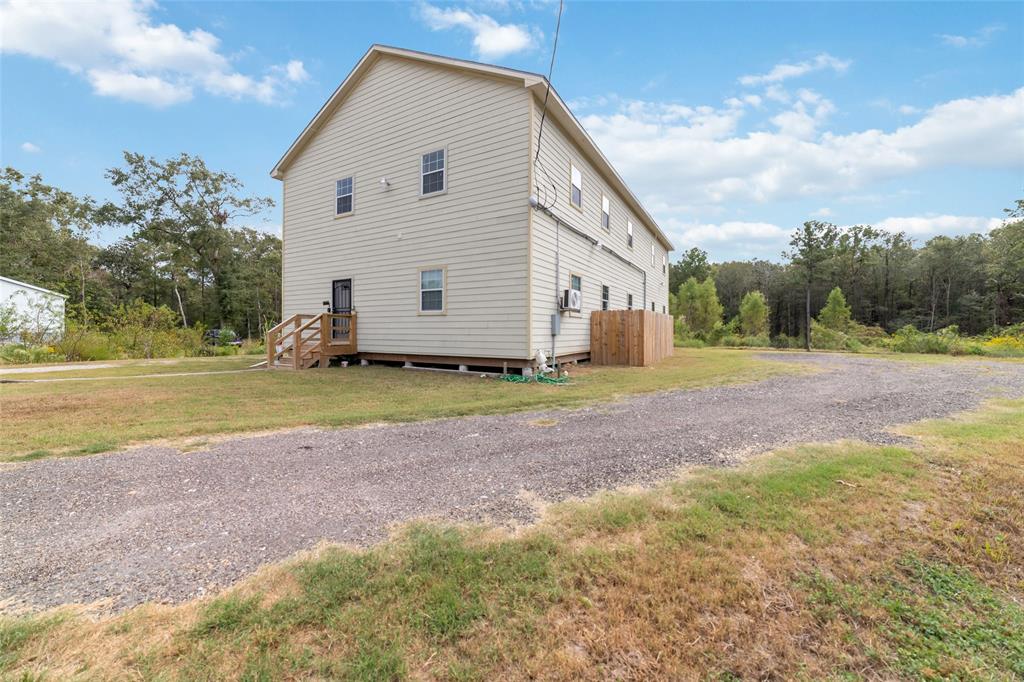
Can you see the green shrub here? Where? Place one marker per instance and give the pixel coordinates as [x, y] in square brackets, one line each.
[758, 341]
[81, 343]
[20, 353]
[826, 338]
[253, 347]
[909, 339]
[784, 341]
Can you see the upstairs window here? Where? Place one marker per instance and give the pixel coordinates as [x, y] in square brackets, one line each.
[652, 255]
[605, 296]
[432, 290]
[629, 233]
[606, 212]
[629, 301]
[664, 263]
[432, 170]
[343, 196]
[576, 191]
[576, 282]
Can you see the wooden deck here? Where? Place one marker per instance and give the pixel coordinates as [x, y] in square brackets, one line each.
[305, 340]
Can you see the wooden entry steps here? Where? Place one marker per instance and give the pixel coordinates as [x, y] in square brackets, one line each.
[303, 340]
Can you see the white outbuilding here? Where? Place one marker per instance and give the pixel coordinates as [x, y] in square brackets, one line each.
[35, 307]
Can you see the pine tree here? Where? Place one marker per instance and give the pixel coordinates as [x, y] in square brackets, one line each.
[754, 314]
[835, 314]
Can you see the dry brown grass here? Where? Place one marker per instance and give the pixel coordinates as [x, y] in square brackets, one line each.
[840, 561]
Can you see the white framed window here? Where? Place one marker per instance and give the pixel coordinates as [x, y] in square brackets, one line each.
[433, 172]
[652, 306]
[605, 297]
[664, 263]
[576, 282]
[343, 196]
[629, 233]
[432, 285]
[606, 213]
[629, 301]
[652, 255]
[576, 188]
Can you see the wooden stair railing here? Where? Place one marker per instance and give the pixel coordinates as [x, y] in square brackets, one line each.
[304, 340]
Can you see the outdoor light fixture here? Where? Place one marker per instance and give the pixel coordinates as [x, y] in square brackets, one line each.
[385, 183]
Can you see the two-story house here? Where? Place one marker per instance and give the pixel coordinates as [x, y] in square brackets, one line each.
[417, 197]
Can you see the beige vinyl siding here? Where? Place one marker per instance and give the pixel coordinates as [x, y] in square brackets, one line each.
[476, 230]
[597, 267]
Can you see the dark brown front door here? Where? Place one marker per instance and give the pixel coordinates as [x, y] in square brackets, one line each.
[341, 302]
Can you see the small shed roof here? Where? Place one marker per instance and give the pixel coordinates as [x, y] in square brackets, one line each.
[31, 286]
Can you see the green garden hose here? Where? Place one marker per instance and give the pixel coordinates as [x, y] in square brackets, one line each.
[539, 378]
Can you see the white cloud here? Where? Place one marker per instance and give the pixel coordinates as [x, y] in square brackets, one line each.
[751, 239]
[903, 109]
[679, 154]
[491, 39]
[781, 72]
[802, 121]
[151, 90]
[979, 38]
[122, 52]
[729, 231]
[823, 212]
[30, 148]
[930, 225]
[296, 71]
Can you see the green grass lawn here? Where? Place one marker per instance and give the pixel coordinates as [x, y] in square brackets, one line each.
[844, 562]
[111, 409]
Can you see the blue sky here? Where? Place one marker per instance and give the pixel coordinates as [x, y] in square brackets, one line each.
[733, 122]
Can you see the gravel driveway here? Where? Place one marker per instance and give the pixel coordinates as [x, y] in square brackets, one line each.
[156, 524]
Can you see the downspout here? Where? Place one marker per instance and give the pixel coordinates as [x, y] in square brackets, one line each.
[554, 336]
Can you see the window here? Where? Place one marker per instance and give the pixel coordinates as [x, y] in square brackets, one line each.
[652, 306]
[629, 301]
[629, 233]
[664, 263]
[606, 212]
[604, 298]
[652, 255]
[576, 191]
[664, 309]
[343, 196]
[576, 282]
[432, 290]
[432, 170]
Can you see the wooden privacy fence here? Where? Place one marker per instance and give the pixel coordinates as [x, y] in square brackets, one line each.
[630, 337]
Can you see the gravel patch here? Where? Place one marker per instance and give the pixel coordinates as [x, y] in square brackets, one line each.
[156, 524]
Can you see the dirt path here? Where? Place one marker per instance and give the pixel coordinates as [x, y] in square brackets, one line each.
[155, 524]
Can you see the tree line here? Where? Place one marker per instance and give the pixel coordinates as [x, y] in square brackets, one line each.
[975, 281]
[186, 244]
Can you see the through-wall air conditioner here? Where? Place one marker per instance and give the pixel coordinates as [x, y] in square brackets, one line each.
[572, 300]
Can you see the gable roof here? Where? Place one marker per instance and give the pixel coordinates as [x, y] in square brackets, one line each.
[26, 285]
[534, 82]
